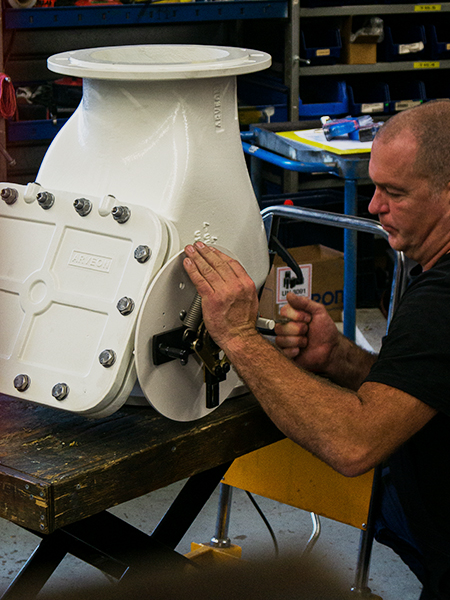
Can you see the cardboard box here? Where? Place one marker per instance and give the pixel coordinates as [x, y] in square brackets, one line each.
[323, 273]
[362, 51]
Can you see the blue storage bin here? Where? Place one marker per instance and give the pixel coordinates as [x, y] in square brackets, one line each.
[257, 92]
[438, 39]
[262, 113]
[372, 98]
[406, 94]
[438, 88]
[322, 46]
[320, 98]
[399, 38]
[315, 3]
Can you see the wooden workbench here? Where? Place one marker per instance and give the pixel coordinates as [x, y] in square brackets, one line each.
[57, 468]
[60, 472]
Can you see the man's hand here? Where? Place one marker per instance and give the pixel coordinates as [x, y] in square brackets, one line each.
[229, 298]
[310, 338]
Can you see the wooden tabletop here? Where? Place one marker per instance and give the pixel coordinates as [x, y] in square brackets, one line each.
[57, 468]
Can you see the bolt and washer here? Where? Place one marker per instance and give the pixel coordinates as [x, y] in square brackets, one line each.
[60, 391]
[121, 214]
[45, 200]
[142, 254]
[22, 382]
[9, 195]
[107, 358]
[83, 206]
[125, 306]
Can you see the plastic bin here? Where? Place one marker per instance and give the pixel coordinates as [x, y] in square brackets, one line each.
[438, 38]
[371, 98]
[321, 46]
[403, 43]
[260, 93]
[437, 88]
[323, 97]
[406, 94]
[315, 3]
[317, 98]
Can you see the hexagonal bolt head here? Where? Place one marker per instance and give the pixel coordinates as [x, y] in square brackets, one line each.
[9, 195]
[107, 358]
[125, 306]
[83, 206]
[60, 391]
[45, 200]
[22, 382]
[142, 254]
[121, 214]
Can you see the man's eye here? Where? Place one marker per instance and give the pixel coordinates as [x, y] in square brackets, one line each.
[394, 193]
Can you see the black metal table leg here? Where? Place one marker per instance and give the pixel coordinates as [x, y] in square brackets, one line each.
[187, 505]
[36, 571]
[116, 547]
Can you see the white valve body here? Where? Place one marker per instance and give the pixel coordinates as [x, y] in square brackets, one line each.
[157, 130]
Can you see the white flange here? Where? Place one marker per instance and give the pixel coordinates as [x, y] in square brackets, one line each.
[155, 61]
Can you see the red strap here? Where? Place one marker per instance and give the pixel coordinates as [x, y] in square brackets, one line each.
[8, 104]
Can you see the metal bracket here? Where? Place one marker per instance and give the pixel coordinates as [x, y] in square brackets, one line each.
[175, 344]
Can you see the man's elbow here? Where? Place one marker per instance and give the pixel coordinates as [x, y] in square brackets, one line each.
[354, 462]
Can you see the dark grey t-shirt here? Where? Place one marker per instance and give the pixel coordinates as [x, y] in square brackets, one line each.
[415, 358]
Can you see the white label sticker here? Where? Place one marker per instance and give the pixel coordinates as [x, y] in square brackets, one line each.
[373, 107]
[405, 104]
[410, 48]
[287, 282]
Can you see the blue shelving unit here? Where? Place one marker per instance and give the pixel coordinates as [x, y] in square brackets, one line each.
[143, 13]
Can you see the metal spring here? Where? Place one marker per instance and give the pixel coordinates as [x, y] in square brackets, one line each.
[194, 314]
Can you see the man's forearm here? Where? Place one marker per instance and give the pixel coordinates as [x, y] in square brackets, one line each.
[350, 365]
[317, 414]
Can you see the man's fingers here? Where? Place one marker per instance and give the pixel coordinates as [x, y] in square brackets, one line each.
[286, 342]
[292, 328]
[202, 285]
[216, 267]
[302, 303]
[222, 263]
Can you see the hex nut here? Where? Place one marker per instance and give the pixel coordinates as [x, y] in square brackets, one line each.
[83, 206]
[125, 305]
[142, 254]
[9, 195]
[60, 391]
[107, 358]
[22, 382]
[45, 200]
[121, 214]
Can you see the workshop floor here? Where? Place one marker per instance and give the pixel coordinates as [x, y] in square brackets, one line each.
[337, 545]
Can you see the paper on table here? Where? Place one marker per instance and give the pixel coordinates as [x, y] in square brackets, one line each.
[316, 138]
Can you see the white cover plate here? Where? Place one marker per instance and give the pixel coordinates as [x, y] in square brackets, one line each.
[61, 276]
[178, 392]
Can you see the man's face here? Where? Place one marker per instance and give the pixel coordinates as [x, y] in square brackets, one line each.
[410, 212]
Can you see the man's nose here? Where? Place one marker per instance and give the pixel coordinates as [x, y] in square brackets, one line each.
[376, 204]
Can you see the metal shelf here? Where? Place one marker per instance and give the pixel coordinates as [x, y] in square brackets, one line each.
[376, 68]
[373, 9]
[24, 131]
[143, 13]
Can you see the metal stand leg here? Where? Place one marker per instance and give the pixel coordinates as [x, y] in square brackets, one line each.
[366, 543]
[221, 539]
[350, 242]
[314, 535]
